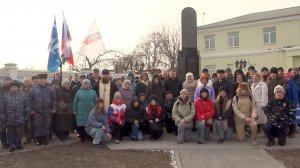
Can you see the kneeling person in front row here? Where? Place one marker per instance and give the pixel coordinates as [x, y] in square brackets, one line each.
[280, 114]
[183, 113]
[245, 113]
[97, 126]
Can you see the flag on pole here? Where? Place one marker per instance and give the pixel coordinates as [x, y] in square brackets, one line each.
[92, 44]
[66, 43]
[53, 48]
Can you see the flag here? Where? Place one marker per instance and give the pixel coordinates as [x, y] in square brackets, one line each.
[53, 48]
[92, 44]
[66, 43]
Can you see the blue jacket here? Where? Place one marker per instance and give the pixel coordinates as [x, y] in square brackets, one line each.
[97, 121]
[292, 91]
[83, 103]
[15, 107]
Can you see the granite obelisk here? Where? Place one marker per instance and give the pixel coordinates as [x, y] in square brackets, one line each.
[188, 58]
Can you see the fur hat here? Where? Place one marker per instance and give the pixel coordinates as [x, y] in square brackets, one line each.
[243, 86]
[117, 95]
[220, 71]
[42, 76]
[278, 88]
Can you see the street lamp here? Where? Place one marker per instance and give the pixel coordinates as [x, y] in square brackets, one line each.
[240, 64]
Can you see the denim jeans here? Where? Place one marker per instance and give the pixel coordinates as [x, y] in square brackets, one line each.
[222, 133]
[136, 133]
[98, 134]
[203, 131]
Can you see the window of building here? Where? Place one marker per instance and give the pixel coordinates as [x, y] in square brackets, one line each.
[209, 41]
[269, 35]
[211, 68]
[233, 39]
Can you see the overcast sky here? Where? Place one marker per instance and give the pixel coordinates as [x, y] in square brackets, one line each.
[26, 24]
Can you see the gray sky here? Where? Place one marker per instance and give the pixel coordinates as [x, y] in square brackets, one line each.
[26, 24]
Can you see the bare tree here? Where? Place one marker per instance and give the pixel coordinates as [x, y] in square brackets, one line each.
[169, 46]
[83, 61]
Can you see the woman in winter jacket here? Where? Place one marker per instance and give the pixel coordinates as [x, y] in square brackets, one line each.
[154, 118]
[97, 126]
[155, 88]
[142, 85]
[204, 112]
[245, 112]
[183, 114]
[64, 117]
[204, 82]
[224, 122]
[83, 103]
[135, 117]
[127, 93]
[190, 85]
[116, 112]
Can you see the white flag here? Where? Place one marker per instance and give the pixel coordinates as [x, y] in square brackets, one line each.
[92, 44]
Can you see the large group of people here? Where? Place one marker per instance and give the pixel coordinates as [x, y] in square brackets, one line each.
[100, 108]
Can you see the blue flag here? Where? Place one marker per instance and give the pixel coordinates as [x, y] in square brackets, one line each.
[54, 56]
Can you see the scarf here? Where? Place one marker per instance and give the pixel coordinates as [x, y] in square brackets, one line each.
[151, 108]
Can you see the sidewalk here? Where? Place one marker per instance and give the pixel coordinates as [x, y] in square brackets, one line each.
[231, 154]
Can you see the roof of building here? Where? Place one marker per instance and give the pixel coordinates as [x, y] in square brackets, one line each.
[279, 13]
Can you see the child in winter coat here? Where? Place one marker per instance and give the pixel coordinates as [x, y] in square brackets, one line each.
[116, 112]
[183, 114]
[205, 111]
[135, 118]
[16, 108]
[223, 116]
[154, 118]
[97, 126]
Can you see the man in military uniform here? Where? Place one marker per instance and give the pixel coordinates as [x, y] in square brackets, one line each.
[43, 104]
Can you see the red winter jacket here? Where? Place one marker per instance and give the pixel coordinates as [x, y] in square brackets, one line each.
[204, 113]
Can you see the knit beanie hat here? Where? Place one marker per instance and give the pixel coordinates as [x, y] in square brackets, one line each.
[243, 86]
[264, 69]
[184, 91]
[278, 88]
[117, 95]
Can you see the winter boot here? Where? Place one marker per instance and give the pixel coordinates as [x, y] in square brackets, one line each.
[38, 141]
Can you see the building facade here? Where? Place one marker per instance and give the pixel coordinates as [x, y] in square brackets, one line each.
[264, 39]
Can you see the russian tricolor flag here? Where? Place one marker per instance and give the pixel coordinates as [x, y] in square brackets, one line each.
[66, 43]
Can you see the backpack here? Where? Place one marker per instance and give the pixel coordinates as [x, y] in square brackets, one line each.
[190, 103]
[237, 98]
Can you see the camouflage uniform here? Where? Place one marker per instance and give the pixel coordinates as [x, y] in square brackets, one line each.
[43, 100]
[16, 108]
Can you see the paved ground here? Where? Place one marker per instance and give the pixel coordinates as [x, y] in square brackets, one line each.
[231, 154]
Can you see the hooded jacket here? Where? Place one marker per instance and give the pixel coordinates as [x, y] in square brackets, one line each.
[244, 107]
[204, 109]
[184, 110]
[135, 113]
[116, 112]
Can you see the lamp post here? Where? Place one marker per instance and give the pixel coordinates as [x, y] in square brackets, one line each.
[240, 64]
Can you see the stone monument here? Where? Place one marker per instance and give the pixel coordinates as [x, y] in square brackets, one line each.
[188, 58]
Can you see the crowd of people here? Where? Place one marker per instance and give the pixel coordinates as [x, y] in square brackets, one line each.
[100, 108]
